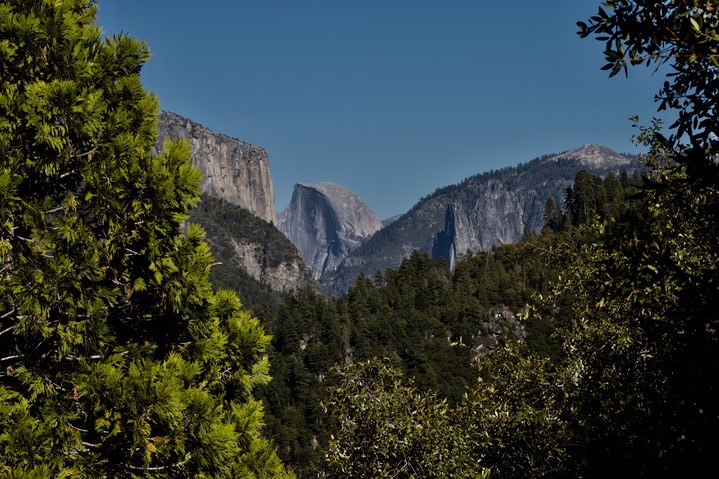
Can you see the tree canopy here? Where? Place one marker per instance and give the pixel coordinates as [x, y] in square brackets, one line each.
[117, 358]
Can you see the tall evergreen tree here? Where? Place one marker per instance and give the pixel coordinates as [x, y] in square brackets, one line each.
[583, 204]
[552, 215]
[116, 357]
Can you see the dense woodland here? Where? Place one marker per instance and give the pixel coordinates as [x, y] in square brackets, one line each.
[426, 322]
[587, 350]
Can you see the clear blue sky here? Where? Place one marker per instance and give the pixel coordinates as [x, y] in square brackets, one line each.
[390, 98]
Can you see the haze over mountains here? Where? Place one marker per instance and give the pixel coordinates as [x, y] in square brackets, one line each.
[338, 236]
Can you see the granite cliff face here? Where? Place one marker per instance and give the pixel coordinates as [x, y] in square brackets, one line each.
[232, 170]
[483, 211]
[326, 221]
[498, 214]
[238, 213]
[502, 210]
[455, 238]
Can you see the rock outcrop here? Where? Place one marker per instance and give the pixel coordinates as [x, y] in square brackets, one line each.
[593, 156]
[246, 246]
[232, 170]
[455, 238]
[500, 323]
[326, 221]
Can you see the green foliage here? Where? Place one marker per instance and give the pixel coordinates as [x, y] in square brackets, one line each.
[389, 429]
[653, 284]
[429, 321]
[633, 390]
[513, 417]
[307, 342]
[593, 198]
[519, 408]
[118, 360]
[642, 348]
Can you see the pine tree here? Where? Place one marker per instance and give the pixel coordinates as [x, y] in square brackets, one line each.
[116, 357]
[583, 206]
[552, 215]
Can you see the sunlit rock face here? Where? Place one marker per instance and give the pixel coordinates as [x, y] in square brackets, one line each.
[238, 208]
[326, 221]
[232, 170]
[498, 215]
[483, 211]
[595, 157]
[500, 210]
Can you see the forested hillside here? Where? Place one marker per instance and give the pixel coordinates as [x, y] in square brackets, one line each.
[252, 257]
[426, 322]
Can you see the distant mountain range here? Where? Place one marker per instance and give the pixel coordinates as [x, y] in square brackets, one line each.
[482, 211]
[332, 235]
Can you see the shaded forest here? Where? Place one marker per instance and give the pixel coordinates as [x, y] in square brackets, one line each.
[430, 324]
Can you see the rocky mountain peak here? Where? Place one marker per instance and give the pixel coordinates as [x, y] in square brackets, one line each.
[595, 156]
[353, 213]
[325, 221]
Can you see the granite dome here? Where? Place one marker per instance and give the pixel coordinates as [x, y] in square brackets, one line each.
[326, 221]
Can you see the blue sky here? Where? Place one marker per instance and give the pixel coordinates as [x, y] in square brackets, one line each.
[389, 98]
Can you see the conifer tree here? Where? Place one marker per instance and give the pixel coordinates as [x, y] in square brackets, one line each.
[116, 357]
[552, 215]
[583, 204]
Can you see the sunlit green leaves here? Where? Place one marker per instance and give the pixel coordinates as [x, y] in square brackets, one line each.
[389, 429]
[118, 359]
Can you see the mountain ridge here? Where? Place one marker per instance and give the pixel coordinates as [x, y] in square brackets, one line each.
[498, 206]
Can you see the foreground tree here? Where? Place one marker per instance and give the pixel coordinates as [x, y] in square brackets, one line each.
[643, 350]
[512, 418]
[117, 359]
[683, 34]
[389, 429]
